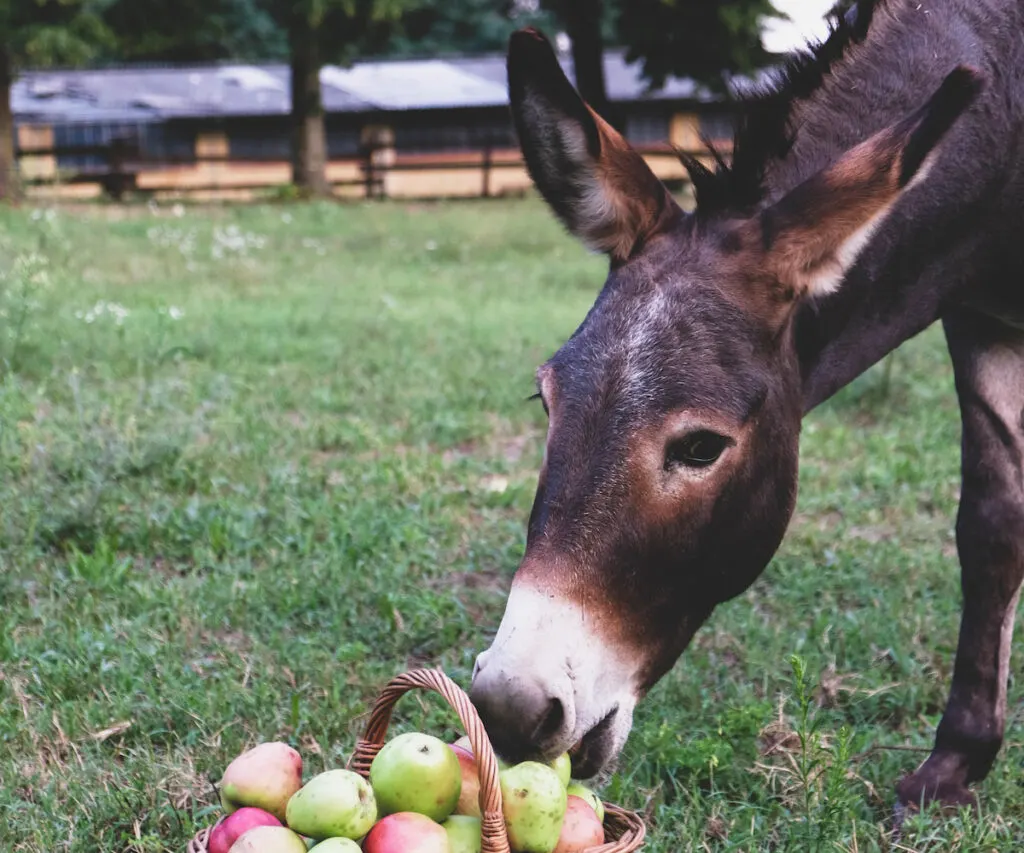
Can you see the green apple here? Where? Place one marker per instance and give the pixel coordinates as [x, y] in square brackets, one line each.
[335, 804]
[419, 773]
[265, 778]
[534, 802]
[464, 833]
[269, 839]
[563, 767]
[337, 845]
[575, 789]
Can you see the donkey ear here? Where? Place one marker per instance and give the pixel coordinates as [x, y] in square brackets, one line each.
[814, 234]
[599, 187]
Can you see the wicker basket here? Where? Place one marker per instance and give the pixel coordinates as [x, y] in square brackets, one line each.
[623, 829]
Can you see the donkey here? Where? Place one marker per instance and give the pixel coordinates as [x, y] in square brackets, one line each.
[878, 187]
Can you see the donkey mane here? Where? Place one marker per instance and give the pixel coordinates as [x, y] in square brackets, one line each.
[765, 132]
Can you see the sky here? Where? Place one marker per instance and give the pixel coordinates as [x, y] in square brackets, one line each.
[808, 23]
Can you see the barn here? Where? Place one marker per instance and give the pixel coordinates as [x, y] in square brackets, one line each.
[424, 127]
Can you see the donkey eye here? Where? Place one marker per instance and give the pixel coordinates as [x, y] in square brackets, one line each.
[699, 449]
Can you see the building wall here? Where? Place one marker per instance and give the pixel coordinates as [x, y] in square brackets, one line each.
[427, 154]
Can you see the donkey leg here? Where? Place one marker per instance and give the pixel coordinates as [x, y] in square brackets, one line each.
[988, 361]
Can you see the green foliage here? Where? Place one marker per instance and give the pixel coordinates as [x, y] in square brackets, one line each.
[343, 29]
[53, 32]
[703, 39]
[255, 461]
[190, 30]
[437, 27]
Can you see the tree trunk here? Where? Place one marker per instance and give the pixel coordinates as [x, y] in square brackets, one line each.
[8, 165]
[582, 20]
[309, 140]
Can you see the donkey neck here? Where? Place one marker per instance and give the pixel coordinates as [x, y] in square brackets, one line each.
[923, 252]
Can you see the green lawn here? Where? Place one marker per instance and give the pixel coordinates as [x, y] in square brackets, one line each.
[300, 460]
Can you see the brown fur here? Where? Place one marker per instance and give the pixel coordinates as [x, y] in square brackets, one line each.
[878, 190]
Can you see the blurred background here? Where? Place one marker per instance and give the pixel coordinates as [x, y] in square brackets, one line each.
[230, 99]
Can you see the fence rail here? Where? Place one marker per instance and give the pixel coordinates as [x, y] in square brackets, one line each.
[121, 169]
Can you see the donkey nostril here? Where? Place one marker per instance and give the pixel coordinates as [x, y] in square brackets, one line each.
[552, 722]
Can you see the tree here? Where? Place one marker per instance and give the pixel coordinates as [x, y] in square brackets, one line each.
[41, 33]
[586, 24]
[437, 27]
[702, 39]
[303, 31]
[321, 31]
[193, 30]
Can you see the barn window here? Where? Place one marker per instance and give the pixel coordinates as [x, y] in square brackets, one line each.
[718, 127]
[342, 142]
[71, 136]
[259, 144]
[647, 128]
[465, 136]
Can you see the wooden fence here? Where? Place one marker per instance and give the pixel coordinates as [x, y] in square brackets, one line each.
[119, 170]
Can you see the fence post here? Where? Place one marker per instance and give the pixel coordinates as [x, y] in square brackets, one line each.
[368, 171]
[118, 180]
[488, 162]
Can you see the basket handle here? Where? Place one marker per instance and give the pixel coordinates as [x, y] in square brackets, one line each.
[494, 836]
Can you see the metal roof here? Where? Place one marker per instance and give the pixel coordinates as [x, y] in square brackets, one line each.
[233, 90]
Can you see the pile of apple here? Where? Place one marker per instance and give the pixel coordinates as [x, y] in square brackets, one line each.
[422, 797]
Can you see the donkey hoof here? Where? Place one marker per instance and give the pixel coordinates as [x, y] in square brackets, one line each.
[923, 789]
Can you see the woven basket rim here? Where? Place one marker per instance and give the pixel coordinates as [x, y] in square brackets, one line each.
[626, 826]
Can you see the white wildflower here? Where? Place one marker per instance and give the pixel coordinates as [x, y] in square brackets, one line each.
[431, 245]
[173, 312]
[167, 237]
[114, 310]
[233, 241]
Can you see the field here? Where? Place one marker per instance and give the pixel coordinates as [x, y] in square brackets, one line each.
[255, 461]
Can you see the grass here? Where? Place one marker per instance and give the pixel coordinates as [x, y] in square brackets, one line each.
[253, 462]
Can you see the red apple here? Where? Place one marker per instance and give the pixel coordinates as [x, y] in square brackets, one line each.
[406, 832]
[265, 777]
[469, 798]
[229, 830]
[580, 828]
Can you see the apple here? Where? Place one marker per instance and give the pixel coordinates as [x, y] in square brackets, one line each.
[335, 804]
[534, 801]
[563, 767]
[415, 772]
[337, 845]
[580, 828]
[464, 833]
[406, 832]
[469, 796]
[265, 777]
[236, 824]
[463, 743]
[575, 789]
[269, 839]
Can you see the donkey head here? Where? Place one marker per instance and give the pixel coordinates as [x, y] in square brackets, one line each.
[674, 410]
